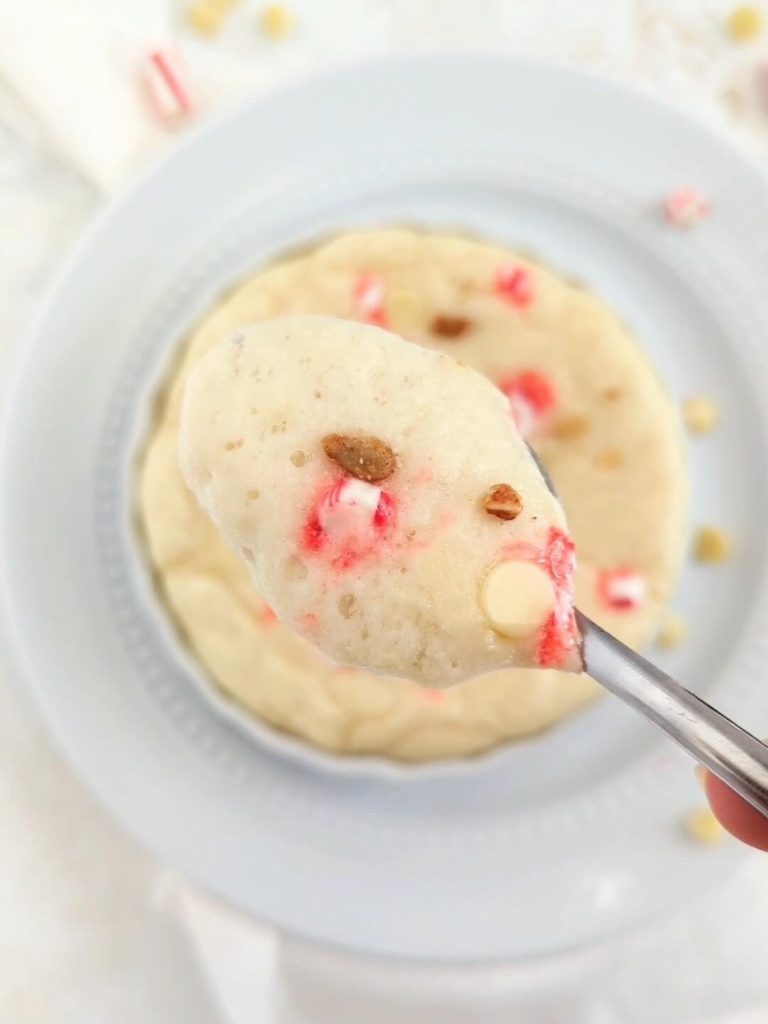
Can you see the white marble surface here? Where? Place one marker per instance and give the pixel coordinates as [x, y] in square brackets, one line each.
[89, 925]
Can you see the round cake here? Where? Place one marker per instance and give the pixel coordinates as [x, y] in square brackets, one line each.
[582, 393]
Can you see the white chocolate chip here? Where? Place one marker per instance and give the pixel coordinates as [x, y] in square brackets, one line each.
[517, 598]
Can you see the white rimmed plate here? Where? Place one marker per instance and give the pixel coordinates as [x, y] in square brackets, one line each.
[540, 847]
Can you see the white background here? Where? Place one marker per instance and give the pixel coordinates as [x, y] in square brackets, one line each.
[91, 930]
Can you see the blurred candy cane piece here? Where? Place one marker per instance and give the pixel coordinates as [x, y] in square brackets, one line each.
[368, 298]
[685, 207]
[515, 285]
[167, 87]
[622, 590]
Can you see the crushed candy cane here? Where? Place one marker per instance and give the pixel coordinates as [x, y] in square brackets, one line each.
[559, 641]
[622, 590]
[349, 519]
[368, 297]
[560, 636]
[347, 501]
[166, 86]
[686, 207]
[514, 284]
[532, 399]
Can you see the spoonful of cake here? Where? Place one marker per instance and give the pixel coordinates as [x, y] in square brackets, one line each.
[392, 514]
[383, 499]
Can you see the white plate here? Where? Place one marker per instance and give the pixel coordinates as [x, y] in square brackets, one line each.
[546, 845]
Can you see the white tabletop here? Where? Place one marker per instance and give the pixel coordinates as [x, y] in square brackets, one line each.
[90, 928]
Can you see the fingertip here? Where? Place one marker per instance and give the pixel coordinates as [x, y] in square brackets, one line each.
[735, 814]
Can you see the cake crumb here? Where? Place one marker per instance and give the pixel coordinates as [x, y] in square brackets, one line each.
[712, 545]
[702, 826]
[700, 413]
[672, 632]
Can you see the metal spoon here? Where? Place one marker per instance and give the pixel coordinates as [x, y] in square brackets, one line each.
[727, 750]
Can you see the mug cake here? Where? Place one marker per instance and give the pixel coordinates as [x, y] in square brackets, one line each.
[581, 392]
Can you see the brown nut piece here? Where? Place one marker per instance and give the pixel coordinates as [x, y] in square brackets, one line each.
[503, 501]
[450, 326]
[367, 458]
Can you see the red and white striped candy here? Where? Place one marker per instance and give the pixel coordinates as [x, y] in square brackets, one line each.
[622, 590]
[686, 206]
[558, 644]
[368, 297]
[532, 399]
[349, 521]
[350, 506]
[514, 284]
[166, 85]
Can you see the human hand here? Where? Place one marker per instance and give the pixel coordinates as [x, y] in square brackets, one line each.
[734, 813]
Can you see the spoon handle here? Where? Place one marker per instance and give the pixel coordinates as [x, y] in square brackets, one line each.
[731, 753]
